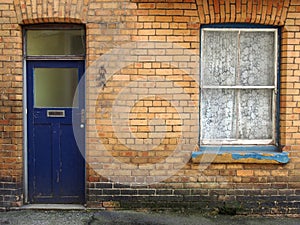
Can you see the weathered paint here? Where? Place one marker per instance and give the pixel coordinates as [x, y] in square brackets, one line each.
[281, 157]
[242, 157]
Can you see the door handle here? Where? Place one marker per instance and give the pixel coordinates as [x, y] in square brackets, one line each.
[82, 118]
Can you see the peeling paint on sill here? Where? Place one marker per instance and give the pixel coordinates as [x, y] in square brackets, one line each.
[241, 157]
[281, 157]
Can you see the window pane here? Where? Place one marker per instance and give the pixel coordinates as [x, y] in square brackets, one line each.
[220, 56]
[55, 42]
[218, 114]
[55, 87]
[257, 58]
[255, 120]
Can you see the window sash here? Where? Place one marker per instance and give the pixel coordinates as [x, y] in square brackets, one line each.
[63, 28]
[237, 142]
[236, 88]
[272, 30]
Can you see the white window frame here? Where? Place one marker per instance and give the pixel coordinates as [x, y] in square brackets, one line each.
[274, 87]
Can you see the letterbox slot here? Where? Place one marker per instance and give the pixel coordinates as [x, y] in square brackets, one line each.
[55, 113]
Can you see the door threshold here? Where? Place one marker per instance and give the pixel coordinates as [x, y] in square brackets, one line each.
[54, 206]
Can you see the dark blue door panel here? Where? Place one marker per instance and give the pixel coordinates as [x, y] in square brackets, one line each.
[56, 165]
[43, 167]
[70, 158]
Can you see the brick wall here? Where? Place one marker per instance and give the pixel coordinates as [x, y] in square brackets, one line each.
[140, 125]
[10, 106]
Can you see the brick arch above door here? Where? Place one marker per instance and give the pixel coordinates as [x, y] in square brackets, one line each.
[51, 11]
[268, 12]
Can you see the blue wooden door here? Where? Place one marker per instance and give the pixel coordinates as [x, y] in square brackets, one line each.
[56, 166]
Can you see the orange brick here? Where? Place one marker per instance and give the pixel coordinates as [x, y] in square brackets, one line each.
[177, 12]
[244, 173]
[163, 18]
[146, 32]
[146, 5]
[157, 12]
[145, 18]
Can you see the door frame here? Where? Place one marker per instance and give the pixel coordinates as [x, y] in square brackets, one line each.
[25, 102]
[25, 131]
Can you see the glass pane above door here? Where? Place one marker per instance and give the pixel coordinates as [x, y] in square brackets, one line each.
[55, 87]
[55, 42]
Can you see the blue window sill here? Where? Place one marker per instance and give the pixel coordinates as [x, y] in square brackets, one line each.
[240, 154]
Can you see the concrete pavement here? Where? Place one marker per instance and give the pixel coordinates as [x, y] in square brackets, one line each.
[85, 217]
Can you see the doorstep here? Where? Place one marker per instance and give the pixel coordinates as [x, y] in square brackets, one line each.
[53, 206]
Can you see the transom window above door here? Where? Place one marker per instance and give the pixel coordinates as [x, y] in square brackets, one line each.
[239, 86]
[55, 41]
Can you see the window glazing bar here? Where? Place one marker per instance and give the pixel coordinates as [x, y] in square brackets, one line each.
[53, 57]
[240, 29]
[236, 142]
[237, 87]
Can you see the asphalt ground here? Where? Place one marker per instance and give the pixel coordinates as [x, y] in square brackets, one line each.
[85, 217]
